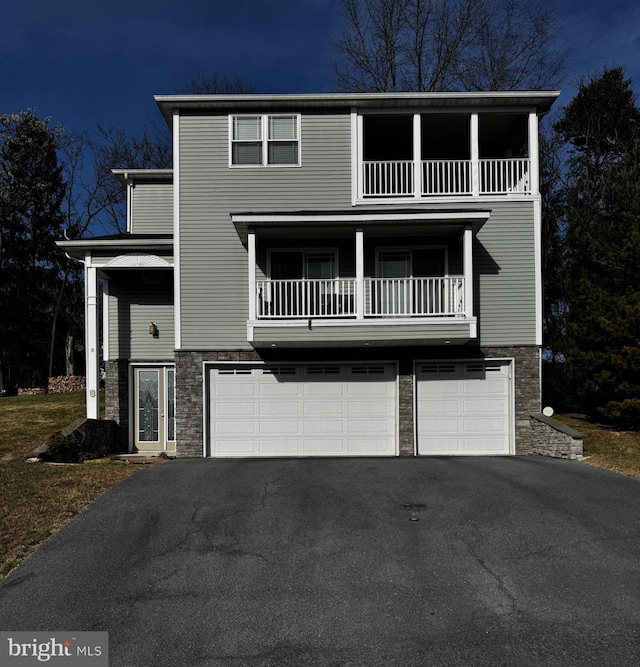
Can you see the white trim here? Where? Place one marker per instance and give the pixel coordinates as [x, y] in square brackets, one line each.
[417, 156]
[356, 156]
[176, 231]
[137, 261]
[475, 154]
[370, 216]
[251, 258]
[92, 342]
[512, 394]
[129, 203]
[534, 154]
[467, 270]
[208, 365]
[537, 244]
[450, 200]
[264, 139]
[319, 322]
[105, 319]
[359, 274]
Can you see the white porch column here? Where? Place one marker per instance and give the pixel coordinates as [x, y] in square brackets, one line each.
[359, 274]
[534, 156]
[475, 155]
[92, 342]
[251, 258]
[467, 259]
[417, 156]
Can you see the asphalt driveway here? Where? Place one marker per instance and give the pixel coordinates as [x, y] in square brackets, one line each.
[434, 561]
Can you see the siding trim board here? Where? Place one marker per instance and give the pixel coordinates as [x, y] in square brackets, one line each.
[176, 232]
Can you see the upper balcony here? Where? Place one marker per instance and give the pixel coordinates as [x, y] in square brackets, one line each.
[404, 157]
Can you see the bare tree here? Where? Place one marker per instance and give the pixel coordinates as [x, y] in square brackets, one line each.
[217, 84]
[436, 45]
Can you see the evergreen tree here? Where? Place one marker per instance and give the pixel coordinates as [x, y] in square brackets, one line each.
[601, 128]
[31, 193]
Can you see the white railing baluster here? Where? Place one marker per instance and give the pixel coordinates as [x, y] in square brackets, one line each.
[445, 177]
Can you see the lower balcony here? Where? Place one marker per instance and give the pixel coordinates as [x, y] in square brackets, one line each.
[373, 311]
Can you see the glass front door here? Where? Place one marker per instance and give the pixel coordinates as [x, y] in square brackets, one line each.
[154, 409]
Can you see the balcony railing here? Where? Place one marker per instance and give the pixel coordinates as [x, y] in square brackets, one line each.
[388, 179]
[415, 297]
[446, 177]
[279, 299]
[337, 298]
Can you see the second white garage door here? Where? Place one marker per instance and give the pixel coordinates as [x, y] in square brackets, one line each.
[464, 408]
[302, 410]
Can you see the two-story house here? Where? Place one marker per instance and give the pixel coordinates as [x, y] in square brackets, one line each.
[326, 275]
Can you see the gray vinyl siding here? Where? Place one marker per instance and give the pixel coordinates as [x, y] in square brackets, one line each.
[213, 261]
[505, 271]
[152, 208]
[134, 303]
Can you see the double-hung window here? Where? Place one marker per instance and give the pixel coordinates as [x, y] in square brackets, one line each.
[265, 140]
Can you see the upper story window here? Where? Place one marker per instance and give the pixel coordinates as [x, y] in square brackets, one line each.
[265, 140]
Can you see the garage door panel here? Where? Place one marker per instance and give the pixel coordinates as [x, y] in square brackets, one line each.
[279, 427]
[238, 427]
[269, 388]
[298, 410]
[235, 409]
[325, 408]
[324, 390]
[441, 426]
[366, 408]
[278, 447]
[463, 408]
[369, 446]
[235, 447]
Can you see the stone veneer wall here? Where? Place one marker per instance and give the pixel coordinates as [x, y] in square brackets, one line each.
[190, 398]
[116, 394]
[553, 438]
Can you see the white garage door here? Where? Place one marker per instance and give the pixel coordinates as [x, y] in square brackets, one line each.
[302, 410]
[464, 408]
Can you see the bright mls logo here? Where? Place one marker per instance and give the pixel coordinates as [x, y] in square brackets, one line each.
[89, 649]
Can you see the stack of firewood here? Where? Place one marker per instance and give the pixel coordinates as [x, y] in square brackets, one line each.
[66, 383]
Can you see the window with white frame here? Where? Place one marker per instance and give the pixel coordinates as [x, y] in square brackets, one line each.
[265, 140]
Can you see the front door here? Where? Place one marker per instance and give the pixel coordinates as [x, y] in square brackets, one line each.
[154, 409]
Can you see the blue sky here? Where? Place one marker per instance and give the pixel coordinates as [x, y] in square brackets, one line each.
[88, 61]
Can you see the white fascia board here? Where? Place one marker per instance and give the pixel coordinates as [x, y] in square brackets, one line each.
[364, 216]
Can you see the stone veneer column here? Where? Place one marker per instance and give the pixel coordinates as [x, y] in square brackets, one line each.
[116, 396]
[526, 383]
[405, 408]
[190, 398]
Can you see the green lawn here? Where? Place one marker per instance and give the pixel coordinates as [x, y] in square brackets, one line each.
[607, 447]
[36, 499]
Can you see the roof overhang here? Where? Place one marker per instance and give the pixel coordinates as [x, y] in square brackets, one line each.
[541, 101]
[79, 248]
[310, 223]
[143, 175]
